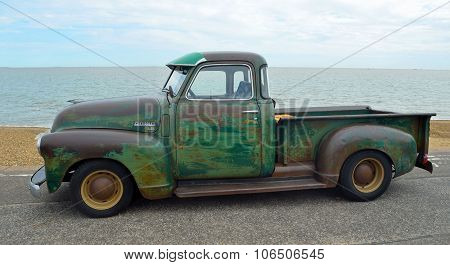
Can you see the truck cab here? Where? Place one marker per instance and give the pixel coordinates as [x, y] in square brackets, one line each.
[223, 116]
[214, 130]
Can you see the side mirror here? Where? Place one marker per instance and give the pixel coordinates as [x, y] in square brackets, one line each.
[169, 91]
[274, 103]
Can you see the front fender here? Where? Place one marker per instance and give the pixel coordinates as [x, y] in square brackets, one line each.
[338, 145]
[144, 155]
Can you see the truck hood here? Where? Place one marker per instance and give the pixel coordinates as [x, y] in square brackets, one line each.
[132, 113]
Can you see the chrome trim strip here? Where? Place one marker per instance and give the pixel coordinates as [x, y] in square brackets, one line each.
[250, 111]
[220, 99]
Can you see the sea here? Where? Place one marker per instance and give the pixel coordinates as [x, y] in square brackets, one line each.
[33, 96]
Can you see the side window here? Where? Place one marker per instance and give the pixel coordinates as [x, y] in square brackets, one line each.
[209, 83]
[222, 82]
[265, 82]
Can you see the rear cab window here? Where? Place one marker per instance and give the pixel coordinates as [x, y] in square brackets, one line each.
[264, 74]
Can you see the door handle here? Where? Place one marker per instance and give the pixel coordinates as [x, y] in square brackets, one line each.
[252, 112]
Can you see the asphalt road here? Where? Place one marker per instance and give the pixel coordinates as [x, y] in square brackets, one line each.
[414, 210]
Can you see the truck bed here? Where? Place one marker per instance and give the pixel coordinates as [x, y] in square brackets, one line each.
[299, 131]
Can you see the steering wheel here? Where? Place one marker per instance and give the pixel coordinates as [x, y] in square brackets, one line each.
[192, 94]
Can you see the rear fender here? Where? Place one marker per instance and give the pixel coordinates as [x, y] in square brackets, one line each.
[144, 155]
[338, 145]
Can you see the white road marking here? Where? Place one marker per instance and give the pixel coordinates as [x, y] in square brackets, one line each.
[15, 175]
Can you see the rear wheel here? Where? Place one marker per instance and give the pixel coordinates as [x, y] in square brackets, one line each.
[101, 188]
[365, 175]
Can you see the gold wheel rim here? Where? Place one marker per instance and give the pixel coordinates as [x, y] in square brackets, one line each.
[101, 190]
[368, 175]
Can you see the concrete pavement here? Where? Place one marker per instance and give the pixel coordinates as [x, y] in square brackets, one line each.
[414, 210]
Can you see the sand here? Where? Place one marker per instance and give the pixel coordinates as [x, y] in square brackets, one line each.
[18, 144]
[440, 136]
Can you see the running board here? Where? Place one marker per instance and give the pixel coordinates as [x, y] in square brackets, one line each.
[244, 186]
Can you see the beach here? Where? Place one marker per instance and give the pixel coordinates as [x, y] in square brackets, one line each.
[18, 145]
[440, 136]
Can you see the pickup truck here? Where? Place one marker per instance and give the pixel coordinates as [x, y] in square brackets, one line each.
[215, 130]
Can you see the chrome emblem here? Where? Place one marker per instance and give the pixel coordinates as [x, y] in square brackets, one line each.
[144, 124]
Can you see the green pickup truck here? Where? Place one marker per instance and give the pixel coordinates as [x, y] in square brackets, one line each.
[215, 130]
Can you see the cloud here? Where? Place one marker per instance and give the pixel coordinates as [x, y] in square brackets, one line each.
[322, 28]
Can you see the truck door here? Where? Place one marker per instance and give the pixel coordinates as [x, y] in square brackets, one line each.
[218, 124]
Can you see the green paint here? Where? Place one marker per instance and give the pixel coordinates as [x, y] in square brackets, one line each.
[197, 141]
[114, 114]
[191, 59]
[216, 140]
[149, 165]
[56, 166]
[143, 154]
[267, 137]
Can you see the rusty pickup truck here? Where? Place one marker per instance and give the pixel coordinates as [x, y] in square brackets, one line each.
[215, 130]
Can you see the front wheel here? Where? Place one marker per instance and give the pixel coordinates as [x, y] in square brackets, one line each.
[365, 175]
[101, 188]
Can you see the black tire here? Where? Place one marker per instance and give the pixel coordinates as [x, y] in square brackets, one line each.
[347, 183]
[88, 168]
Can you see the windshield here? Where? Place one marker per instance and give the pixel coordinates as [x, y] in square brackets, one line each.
[176, 79]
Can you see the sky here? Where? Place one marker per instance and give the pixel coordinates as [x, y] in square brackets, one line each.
[288, 33]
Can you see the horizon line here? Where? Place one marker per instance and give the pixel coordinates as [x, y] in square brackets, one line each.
[163, 66]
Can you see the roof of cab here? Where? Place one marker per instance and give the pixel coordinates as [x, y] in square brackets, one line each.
[192, 59]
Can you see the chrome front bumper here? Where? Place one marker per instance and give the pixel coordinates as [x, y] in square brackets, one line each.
[36, 181]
